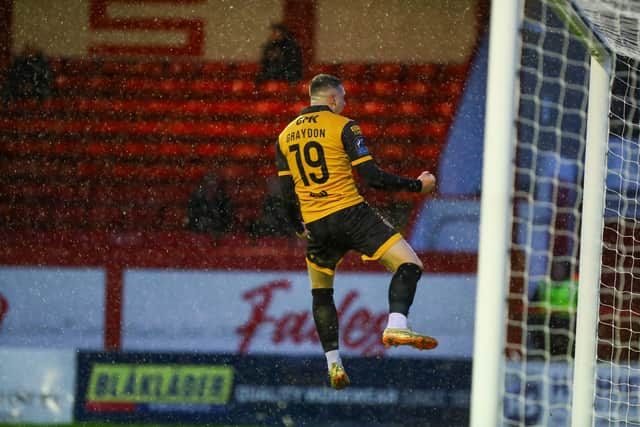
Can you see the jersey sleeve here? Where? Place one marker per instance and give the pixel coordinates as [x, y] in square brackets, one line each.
[354, 144]
[281, 162]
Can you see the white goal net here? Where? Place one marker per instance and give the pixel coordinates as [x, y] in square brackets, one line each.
[553, 90]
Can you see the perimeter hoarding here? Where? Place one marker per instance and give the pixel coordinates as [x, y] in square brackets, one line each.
[52, 307]
[37, 385]
[251, 312]
[269, 390]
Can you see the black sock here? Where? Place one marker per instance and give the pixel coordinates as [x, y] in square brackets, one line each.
[326, 317]
[403, 288]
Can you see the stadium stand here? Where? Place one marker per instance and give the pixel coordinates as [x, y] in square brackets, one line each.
[123, 144]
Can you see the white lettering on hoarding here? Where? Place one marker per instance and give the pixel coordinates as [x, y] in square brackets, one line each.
[322, 395]
[36, 385]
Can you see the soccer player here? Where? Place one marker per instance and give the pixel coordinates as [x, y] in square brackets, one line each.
[315, 155]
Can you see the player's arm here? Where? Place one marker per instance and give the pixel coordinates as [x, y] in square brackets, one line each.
[287, 189]
[372, 175]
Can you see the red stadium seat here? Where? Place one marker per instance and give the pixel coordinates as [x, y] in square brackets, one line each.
[100, 84]
[76, 66]
[295, 108]
[174, 217]
[245, 152]
[357, 71]
[268, 107]
[273, 88]
[268, 170]
[451, 88]
[68, 216]
[211, 149]
[240, 87]
[183, 69]
[198, 107]
[301, 89]
[455, 71]
[210, 87]
[435, 130]
[136, 217]
[321, 68]
[391, 152]
[410, 108]
[257, 129]
[232, 172]
[245, 70]
[100, 149]
[229, 107]
[114, 67]
[426, 151]
[400, 130]
[215, 69]
[88, 170]
[387, 71]
[104, 216]
[445, 110]
[374, 108]
[369, 129]
[424, 72]
[147, 68]
[384, 88]
[175, 150]
[354, 88]
[416, 89]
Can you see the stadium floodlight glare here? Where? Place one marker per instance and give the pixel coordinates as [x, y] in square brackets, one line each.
[559, 219]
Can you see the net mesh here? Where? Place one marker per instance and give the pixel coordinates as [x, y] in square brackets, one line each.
[551, 130]
[618, 376]
[549, 169]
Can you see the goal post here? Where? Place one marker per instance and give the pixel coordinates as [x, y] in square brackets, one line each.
[585, 363]
[495, 214]
[543, 198]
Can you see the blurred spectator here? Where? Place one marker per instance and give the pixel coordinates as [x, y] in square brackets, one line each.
[271, 222]
[29, 76]
[557, 300]
[210, 210]
[281, 57]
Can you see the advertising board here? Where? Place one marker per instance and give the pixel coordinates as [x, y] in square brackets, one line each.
[251, 312]
[37, 385]
[269, 390]
[52, 307]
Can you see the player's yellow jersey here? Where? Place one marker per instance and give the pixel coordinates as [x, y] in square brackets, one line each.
[318, 149]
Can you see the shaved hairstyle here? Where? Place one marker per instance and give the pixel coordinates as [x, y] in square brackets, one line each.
[322, 82]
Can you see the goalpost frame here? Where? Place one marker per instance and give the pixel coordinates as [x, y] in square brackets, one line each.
[585, 363]
[496, 214]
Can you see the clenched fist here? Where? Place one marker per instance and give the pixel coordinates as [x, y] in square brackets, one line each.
[428, 182]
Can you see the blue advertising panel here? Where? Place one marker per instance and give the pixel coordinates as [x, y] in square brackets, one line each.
[269, 390]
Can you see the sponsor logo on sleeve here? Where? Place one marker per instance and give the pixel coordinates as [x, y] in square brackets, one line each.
[361, 149]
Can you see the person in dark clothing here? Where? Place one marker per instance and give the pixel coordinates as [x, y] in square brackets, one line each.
[210, 209]
[281, 57]
[29, 76]
[270, 222]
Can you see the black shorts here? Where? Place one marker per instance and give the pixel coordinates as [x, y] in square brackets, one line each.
[358, 227]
